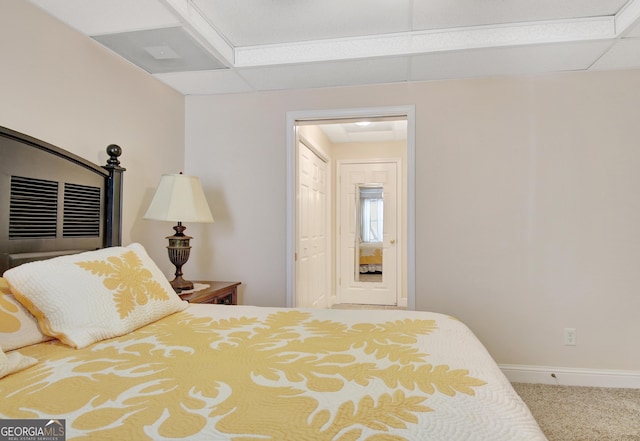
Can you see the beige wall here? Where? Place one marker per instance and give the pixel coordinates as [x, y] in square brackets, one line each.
[527, 207]
[61, 87]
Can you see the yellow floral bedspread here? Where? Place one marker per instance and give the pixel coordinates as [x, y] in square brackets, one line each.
[215, 372]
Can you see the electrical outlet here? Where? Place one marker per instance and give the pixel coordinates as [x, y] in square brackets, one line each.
[570, 338]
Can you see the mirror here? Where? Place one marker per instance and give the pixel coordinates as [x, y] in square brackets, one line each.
[369, 232]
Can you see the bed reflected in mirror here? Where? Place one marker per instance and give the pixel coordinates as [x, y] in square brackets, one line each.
[369, 232]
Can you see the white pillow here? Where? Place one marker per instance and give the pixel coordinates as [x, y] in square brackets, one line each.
[84, 298]
[18, 327]
[14, 362]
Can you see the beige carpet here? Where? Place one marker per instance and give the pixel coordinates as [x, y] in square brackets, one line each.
[583, 413]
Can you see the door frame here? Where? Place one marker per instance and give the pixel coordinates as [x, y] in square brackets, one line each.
[293, 117]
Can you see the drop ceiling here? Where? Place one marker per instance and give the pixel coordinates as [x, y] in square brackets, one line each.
[363, 130]
[202, 47]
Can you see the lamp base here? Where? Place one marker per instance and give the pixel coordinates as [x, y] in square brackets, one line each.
[179, 284]
[179, 251]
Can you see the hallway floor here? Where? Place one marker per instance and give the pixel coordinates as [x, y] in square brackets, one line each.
[354, 306]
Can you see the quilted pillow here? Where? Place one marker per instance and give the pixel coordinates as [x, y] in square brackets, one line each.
[14, 362]
[84, 298]
[18, 327]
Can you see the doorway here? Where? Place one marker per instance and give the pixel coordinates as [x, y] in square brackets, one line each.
[294, 120]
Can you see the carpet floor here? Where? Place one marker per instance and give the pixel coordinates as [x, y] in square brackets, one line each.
[569, 413]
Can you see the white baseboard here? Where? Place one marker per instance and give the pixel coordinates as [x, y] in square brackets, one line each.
[571, 376]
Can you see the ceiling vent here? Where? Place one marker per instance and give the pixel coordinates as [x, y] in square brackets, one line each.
[161, 50]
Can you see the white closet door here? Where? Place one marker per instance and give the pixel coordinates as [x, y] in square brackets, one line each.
[311, 262]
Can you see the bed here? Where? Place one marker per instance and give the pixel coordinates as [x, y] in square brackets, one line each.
[110, 357]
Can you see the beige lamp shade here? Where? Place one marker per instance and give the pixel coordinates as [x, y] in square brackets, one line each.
[179, 198]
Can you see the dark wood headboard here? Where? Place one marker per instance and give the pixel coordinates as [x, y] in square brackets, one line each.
[53, 202]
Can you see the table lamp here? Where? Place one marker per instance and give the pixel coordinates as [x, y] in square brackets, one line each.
[179, 198]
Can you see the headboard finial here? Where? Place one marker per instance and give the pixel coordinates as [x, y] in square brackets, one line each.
[113, 150]
[113, 236]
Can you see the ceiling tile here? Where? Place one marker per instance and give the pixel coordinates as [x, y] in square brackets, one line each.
[250, 22]
[624, 54]
[634, 32]
[507, 61]
[438, 14]
[344, 73]
[95, 17]
[205, 82]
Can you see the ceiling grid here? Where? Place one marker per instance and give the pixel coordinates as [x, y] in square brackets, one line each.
[219, 47]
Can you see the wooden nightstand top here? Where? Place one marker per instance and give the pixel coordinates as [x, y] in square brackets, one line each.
[217, 292]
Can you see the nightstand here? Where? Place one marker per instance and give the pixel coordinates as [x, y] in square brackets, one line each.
[225, 293]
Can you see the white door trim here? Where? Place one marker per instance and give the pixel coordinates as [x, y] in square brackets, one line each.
[310, 115]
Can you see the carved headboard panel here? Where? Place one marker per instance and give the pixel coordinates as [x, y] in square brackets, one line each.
[53, 202]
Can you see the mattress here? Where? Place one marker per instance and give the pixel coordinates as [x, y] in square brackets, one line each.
[219, 372]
